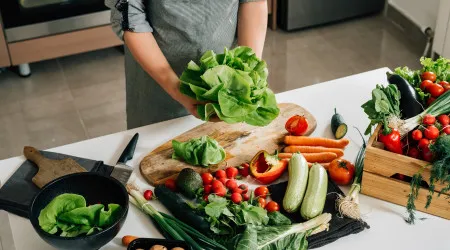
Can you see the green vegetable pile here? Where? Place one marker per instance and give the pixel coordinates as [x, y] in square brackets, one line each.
[385, 103]
[234, 85]
[68, 215]
[202, 151]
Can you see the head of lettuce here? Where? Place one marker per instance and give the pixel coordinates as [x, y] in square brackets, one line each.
[233, 85]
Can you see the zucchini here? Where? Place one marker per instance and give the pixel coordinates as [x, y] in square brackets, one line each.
[316, 192]
[181, 210]
[338, 125]
[298, 178]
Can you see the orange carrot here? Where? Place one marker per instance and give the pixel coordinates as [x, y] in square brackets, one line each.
[325, 165]
[323, 157]
[310, 149]
[127, 239]
[315, 141]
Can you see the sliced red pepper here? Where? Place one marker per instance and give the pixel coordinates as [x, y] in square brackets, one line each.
[267, 168]
[392, 141]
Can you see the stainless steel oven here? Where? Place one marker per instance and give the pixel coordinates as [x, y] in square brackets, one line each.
[27, 19]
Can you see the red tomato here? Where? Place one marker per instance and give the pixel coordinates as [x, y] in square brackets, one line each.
[423, 143]
[341, 171]
[428, 119]
[443, 83]
[207, 189]
[216, 184]
[431, 132]
[414, 153]
[231, 184]
[236, 198]
[272, 206]
[207, 178]
[425, 83]
[428, 76]
[205, 197]
[435, 90]
[427, 155]
[246, 197]
[223, 180]
[416, 134]
[262, 202]
[446, 130]
[222, 191]
[244, 169]
[446, 87]
[231, 172]
[170, 184]
[220, 174]
[297, 125]
[244, 188]
[430, 100]
[237, 190]
[148, 194]
[261, 191]
[444, 120]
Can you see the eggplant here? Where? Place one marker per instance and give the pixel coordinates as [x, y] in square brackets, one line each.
[410, 105]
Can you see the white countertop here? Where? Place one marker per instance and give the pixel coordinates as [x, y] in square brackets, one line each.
[388, 230]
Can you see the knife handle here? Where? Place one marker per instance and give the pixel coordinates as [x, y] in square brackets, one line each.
[128, 152]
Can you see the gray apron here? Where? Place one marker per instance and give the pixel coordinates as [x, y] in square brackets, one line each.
[184, 30]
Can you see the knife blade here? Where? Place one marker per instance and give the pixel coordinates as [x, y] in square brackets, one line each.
[121, 170]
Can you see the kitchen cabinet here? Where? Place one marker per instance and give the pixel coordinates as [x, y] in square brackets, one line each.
[4, 54]
[441, 43]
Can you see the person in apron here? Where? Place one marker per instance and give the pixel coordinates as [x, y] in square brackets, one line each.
[162, 36]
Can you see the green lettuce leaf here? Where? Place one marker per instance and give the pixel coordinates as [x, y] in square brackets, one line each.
[203, 151]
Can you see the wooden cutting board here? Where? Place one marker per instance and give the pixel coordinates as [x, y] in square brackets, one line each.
[240, 141]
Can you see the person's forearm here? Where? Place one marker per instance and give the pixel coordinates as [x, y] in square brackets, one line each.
[147, 53]
[252, 25]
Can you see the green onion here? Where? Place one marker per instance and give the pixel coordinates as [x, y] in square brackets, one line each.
[438, 107]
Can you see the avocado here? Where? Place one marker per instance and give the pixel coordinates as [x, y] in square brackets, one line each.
[188, 182]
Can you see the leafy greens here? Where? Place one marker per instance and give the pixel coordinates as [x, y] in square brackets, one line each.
[234, 85]
[202, 151]
[69, 215]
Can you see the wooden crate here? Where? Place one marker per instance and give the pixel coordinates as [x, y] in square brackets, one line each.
[379, 167]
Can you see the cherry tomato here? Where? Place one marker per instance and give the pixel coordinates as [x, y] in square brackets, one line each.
[428, 76]
[220, 174]
[216, 184]
[341, 171]
[272, 206]
[444, 120]
[428, 119]
[237, 190]
[246, 197]
[207, 178]
[205, 197]
[236, 198]
[207, 189]
[414, 153]
[223, 180]
[231, 184]
[425, 83]
[262, 202]
[435, 90]
[261, 191]
[231, 172]
[443, 83]
[446, 130]
[427, 155]
[416, 134]
[430, 100]
[170, 184]
[222, 191]
[431, 132]
[244, 169]
[148, 194]
[296, 125]
[423, 143]
[446, 87]
[244, 188]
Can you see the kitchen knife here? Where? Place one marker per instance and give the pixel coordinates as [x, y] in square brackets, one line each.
[121, 170]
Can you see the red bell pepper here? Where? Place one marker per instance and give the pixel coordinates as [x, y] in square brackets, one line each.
[267, 168]
[392, 141]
